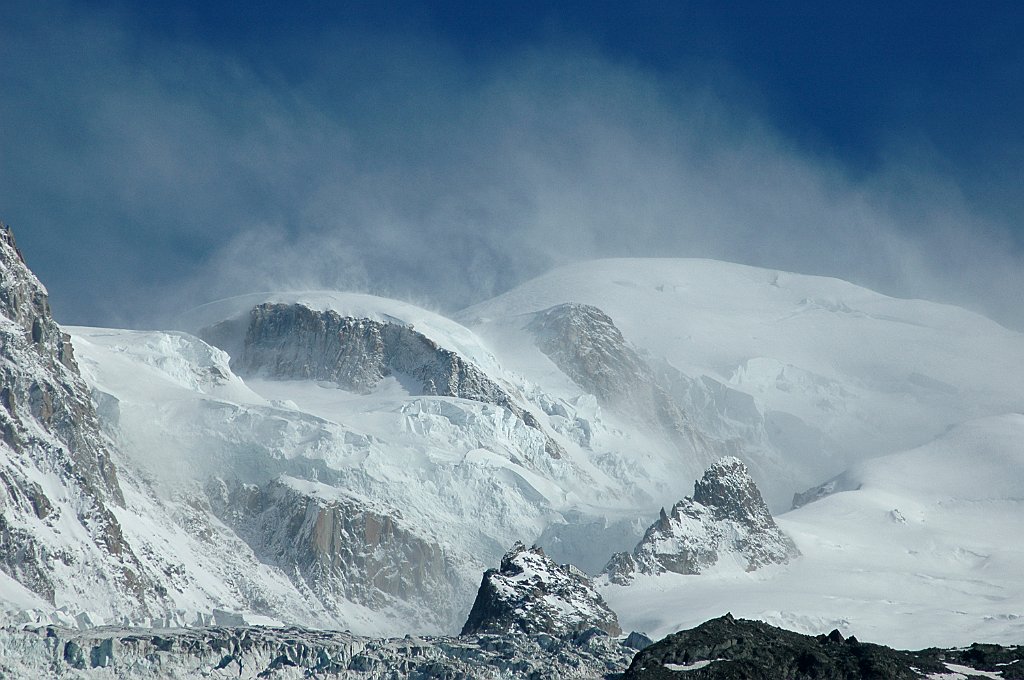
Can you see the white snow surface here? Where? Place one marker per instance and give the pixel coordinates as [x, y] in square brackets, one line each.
[808, 377]
[925, 550]
[855, 373]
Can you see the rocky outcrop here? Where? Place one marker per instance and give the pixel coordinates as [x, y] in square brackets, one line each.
[584, 343]
[725, 516]
[294, 342]
[837, 484]
[294, 653]
[342, 547]
[733, 649]
[531, 594]
[56, 468]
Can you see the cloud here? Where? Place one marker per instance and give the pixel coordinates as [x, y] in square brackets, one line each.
[147, 175]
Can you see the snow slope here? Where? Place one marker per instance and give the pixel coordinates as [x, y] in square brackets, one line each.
[925, 548]
[467, 476]
[801, 377]
[812, 373]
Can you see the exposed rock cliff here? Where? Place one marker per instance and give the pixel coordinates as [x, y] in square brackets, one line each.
[725, 516]
[339, 546]
[57, 478]
[531, 594]
[294, 342]
[586, 345]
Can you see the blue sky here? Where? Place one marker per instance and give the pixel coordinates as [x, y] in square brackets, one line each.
[156, 155]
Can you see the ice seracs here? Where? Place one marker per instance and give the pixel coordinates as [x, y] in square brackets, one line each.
[726, 522]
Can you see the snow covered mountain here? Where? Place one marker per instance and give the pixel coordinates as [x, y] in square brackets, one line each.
[346, 461]
[804, 374]
[912, 549]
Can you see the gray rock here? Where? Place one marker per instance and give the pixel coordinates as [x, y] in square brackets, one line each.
[725, 515]
[49, 428]
[835, 485]
[531, 594]
[339, 546]
[587, 346]
[294, 342]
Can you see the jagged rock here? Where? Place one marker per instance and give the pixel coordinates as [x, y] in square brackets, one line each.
[531, 594]
[726, 515]
[731, 649]
[294, 342]
[341, 546]
[56, 465]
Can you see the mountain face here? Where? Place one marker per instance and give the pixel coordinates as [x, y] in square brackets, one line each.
[349, 462]
[725, 520]
[339, 546]
[294, 342]
[531, 594]
[585, 345]
[58, 483]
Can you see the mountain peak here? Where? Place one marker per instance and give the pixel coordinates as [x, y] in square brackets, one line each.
[726, 515]
[728, 487]
[531, 594]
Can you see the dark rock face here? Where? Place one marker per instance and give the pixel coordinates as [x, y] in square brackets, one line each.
[734, 649]
[725, 515]
[816, 493]
[531, 594]
[338, 546]
[294, 342]
[587, 346]
[49, 429]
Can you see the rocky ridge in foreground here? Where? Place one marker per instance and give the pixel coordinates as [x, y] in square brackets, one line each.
[739, 649]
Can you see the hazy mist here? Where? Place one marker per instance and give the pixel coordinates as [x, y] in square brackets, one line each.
[143, 177]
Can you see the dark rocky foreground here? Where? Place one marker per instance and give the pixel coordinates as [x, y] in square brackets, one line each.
[733, 649]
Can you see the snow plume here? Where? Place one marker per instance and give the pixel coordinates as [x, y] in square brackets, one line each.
[388, 161]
